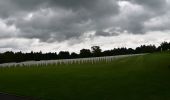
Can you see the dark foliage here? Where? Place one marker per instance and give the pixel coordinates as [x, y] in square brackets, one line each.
[85, 53]
[95, 51]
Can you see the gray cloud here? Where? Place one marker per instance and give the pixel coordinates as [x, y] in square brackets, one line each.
[60, 20]
[154, 5]
[139, 12]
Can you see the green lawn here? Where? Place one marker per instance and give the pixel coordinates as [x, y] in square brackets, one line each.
[144, 77]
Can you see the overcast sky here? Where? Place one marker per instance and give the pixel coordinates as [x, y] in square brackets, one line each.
[70, 25]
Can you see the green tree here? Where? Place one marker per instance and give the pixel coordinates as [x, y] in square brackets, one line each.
[85, 53]
[96, 51]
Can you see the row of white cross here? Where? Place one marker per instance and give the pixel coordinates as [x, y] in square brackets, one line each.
[92, 60]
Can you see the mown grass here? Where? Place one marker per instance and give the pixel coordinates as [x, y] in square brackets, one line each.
[144, 77]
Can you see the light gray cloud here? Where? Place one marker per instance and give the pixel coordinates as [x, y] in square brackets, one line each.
[135, 14]
[153, 5]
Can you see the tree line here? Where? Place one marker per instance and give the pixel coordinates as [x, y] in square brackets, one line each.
[95, 51]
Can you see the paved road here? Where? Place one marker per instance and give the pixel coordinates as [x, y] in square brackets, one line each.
[13, 97]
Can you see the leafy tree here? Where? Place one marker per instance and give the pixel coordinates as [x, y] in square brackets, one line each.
[146, 49]
[74, 55]
[85, 53]
[96, 51]
[10, 56]
[64, 55]
[165, 46]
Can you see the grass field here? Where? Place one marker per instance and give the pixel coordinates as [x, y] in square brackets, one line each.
[145, 77]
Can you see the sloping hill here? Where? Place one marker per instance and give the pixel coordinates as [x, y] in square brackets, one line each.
[145, 77]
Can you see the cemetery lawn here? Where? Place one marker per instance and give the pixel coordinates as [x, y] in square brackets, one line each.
[145, 77]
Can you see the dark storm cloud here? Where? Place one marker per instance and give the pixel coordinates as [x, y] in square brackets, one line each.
[59, 20]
